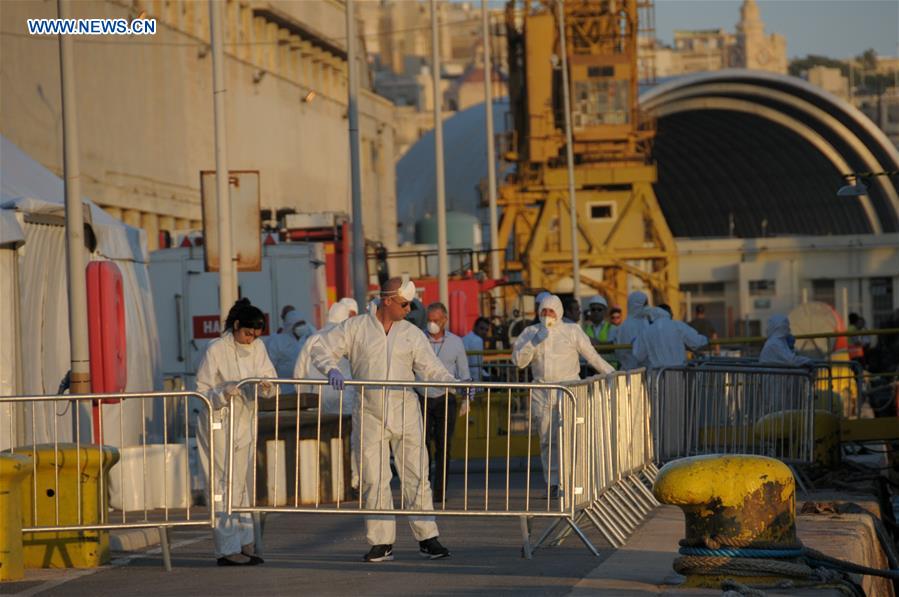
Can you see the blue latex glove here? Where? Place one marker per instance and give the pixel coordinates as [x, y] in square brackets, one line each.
[336, 379]
[469, 393]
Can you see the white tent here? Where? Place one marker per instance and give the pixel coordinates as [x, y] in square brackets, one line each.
[32, 259]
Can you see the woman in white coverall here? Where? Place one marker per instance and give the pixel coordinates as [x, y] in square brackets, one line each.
[552, 348]
[383, 346]
[237, 355]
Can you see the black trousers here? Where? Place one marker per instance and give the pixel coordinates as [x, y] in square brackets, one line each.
[440, 422]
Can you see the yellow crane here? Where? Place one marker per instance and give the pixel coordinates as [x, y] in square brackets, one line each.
[622, 235]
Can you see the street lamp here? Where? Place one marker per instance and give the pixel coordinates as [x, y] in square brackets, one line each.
[857, 183]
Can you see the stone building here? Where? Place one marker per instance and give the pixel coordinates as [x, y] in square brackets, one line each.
[714, 49]
[145, 109]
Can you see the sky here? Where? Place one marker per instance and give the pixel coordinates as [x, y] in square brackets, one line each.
[835, 28]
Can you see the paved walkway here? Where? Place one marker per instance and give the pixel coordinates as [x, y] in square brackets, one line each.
[322, 555]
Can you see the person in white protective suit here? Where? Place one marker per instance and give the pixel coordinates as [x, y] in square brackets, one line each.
[351, 305]
[284, 347]
[777, 349]
[631, 329]
[238, 354]
[665, 341]
[664, 344]
[383, 346]
[331, 398]
[552, 349]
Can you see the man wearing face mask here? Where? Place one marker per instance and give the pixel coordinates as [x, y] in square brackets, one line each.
[553, 349]
[383, 346]
[440, 414]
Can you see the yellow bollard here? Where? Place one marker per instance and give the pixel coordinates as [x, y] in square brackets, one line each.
[52, 499]
[14, 469]
[736, 501]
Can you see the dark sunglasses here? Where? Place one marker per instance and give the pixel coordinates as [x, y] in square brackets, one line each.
[404, 304]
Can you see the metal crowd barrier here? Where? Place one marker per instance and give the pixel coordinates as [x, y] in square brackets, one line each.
[306, 441]
[728, 409]
[615, 456]
[839, 385]
[146, 439]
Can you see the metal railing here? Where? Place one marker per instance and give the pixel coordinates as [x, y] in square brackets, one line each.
[595, 447]
[391, 417]
[839, 385]
[147, 471]
[616, 457]
[728, 409]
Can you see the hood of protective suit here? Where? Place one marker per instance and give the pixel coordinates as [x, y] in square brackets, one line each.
[554, 303]
[349, 303]
[291, 319]
[657, 313]
[636, 304]
[778, 326]
[338, 312]
[542, 296]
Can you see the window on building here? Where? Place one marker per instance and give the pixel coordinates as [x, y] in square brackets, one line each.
[704, 289]
[824, 291]
[881, 300]
[762, 288]
[602, 211]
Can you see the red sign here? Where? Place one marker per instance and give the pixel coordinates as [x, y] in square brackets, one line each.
[208, 326]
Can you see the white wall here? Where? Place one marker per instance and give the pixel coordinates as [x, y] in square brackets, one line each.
[851, 261]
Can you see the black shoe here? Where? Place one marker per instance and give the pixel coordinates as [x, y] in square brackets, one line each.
[432, 550]
[554, 492]
[379, 553]
[227, 562]
[254, 560]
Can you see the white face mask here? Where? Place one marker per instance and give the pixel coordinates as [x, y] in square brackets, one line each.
[244, 350]
[433, 328]
[548, 320]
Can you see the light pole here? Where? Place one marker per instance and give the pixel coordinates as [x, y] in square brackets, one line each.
[76, 258]
[360, 282]
[442, 256]
[227, 269]
[491, 160]
[569, 155]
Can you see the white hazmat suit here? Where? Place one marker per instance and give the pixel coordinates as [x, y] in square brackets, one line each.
[391, 420]
[776, 351]
[350, 304]
[224, 364]
[664, 343]
[284, 347]
[553, 354]
[331, 404]
[631, 329]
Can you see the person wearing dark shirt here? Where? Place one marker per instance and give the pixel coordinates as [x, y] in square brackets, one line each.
[703, 325]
